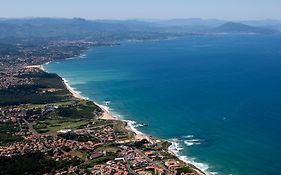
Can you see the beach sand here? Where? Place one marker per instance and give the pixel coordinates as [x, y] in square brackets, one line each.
[106, 114]
[35, 66]
[72, 91]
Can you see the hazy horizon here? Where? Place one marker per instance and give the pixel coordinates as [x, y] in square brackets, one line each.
[134, 19]
[143, 10]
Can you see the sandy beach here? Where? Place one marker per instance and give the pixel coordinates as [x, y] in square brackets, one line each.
[72, 91]
[35, 66]
[106, 114]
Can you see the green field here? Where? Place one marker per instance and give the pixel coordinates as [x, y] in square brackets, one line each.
[54, 125]
[68, 115]
[7, 133]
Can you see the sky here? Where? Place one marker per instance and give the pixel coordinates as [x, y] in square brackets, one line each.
[143, 9]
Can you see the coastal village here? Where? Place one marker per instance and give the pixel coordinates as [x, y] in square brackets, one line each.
[46, 128]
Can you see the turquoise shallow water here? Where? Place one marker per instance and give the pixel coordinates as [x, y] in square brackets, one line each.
[217, 97]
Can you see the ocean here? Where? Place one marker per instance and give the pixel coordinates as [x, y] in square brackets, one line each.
[217, 98]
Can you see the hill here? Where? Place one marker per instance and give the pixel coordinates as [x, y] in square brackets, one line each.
[78, 28]
[12, 30]
[231, 27]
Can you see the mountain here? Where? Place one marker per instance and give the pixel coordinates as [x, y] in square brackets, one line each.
[232, 27]
[101, 30]
[191, 22]
[116, 30]
[266, 23]
[76, 28]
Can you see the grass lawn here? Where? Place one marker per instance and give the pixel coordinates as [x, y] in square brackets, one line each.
[122, 133]
[69, 115]
[34, 106]
[54, 125]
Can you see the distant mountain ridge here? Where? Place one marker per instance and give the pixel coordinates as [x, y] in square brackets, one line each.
[192, 22]
[116, 30]
[267, 23]
[232, 27]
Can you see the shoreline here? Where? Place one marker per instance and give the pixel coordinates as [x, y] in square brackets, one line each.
[130, 125]
[106, 113]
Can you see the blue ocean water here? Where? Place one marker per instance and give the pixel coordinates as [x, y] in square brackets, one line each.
[217, 97]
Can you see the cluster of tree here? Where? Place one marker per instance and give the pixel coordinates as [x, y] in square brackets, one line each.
[184, 170]
[34, 93]
[33, 163]
[77, 137]
[7, 130]
[77, 112]
[9, 49]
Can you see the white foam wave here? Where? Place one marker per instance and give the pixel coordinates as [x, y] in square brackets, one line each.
[191, 142]
[109, 110]
[42, 66]
[71, 58]
[83, 56]
[132, 125]
[176, 148]
[106, 108]
[107, 102]
[188, 136]
[139, 125]
[73, 90]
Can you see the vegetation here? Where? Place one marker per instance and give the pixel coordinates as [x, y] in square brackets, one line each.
[78, 110]
[121, 132]
[184, 170]
[7, 133]
[72, 115]
[35, 163]
[79, 138]
[36, 93]
[141, 144]
[91, 163]
[54, 125]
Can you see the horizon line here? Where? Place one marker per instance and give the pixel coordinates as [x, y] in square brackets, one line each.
[137, 19]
